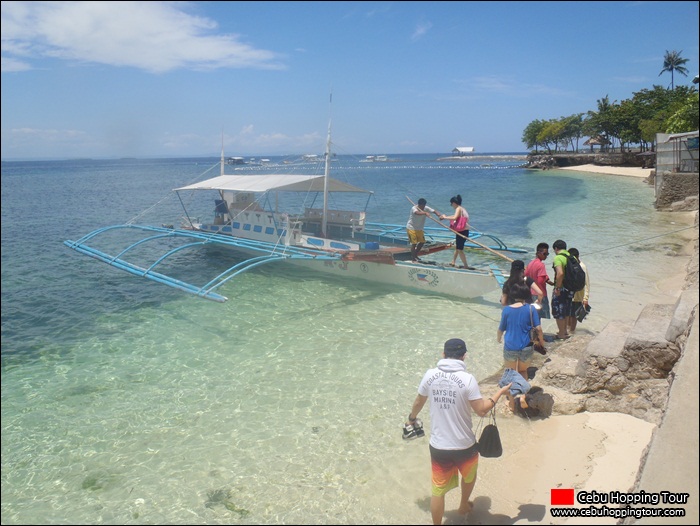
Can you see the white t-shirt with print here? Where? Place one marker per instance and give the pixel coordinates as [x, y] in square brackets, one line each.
[449, 388]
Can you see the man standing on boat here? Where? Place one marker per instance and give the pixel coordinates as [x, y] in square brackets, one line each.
[416, 225]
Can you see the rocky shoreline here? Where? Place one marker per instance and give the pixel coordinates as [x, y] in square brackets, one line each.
[547, 161]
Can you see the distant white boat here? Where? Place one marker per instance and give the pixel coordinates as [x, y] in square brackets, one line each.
[235, 160]
[375, 159]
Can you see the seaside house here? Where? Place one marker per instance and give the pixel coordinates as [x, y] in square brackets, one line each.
[463, 150]
[598, 140]
[677, 152]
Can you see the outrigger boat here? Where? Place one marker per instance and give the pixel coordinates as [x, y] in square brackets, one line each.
[248, 219]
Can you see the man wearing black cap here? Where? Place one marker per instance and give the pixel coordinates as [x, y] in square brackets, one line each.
[453, 394]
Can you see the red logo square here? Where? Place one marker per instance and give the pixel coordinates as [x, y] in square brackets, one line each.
[562, 497]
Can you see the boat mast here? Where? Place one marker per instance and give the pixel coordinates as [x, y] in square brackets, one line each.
[222, 152]
[324, 219]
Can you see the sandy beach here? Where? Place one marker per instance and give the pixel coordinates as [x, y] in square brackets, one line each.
[599, 452]
[611, 170]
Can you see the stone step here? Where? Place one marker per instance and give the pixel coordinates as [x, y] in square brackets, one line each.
[625, 368]
[684, 311]
[647, 353]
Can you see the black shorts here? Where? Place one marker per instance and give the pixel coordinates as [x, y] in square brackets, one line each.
[459, 241]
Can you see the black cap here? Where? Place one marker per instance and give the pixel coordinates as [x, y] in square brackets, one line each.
[455, 347]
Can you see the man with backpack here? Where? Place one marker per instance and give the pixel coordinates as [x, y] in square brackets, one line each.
[562, 297]
[580, 300]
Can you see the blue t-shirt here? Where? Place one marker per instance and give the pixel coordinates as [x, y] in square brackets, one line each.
[515, 323]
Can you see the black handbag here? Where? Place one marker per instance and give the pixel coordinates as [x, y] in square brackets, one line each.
[490, 440]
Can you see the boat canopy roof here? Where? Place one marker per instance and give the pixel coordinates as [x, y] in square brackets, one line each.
[278, 182]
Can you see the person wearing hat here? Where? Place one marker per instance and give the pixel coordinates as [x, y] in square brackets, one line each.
[454, 394]
[517, 275]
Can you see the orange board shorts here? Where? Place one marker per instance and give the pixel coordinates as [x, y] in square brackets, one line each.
[447, 465]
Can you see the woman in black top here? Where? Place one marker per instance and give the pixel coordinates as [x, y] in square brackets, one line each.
[517, 275]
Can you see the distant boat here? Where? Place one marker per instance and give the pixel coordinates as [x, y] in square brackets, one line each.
[235, 160]
[375, 159]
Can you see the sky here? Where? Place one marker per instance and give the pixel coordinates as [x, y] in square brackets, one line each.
[178, 79]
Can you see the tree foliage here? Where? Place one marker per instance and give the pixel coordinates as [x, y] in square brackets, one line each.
[636, 120]
[674, 62]
[685, 117]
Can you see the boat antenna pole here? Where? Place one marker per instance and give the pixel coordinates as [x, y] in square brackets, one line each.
[324, 218]
[222, 152]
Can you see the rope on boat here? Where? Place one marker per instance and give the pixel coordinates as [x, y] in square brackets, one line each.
[169, 195]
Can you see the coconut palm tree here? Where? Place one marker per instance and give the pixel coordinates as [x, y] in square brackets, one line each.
[674, 62]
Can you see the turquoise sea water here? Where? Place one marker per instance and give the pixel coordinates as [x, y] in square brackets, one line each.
[127, 402]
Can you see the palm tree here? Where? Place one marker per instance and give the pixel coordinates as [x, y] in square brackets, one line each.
[674, 62]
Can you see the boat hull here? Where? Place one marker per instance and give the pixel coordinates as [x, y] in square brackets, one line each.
[447, 281]
[386, 265]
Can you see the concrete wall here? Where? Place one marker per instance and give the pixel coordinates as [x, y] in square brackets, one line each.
[671, 185]
[675, 186]
[664, 153]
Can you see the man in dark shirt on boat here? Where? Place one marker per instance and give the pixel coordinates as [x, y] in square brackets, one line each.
[416, 226]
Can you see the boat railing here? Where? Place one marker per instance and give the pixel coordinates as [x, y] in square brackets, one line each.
[438, 235]
[399, 231]
[351, 218]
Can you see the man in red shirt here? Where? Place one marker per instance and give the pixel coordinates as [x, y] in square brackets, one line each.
[538, 272]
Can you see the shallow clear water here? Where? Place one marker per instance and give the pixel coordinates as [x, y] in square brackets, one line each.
[126, 402]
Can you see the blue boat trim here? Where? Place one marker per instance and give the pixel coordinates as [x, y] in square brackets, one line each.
[498, 274]
[271, 252]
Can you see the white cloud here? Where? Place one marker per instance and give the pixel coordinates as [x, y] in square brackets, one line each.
[248, 140]
[421, 30]
[12, 64]
[493, 84]
[153, 36]
[24, 141]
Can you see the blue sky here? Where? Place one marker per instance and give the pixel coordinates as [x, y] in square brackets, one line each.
[166, 79]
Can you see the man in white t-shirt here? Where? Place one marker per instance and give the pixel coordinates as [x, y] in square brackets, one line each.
[453, 394]
[416, 225]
